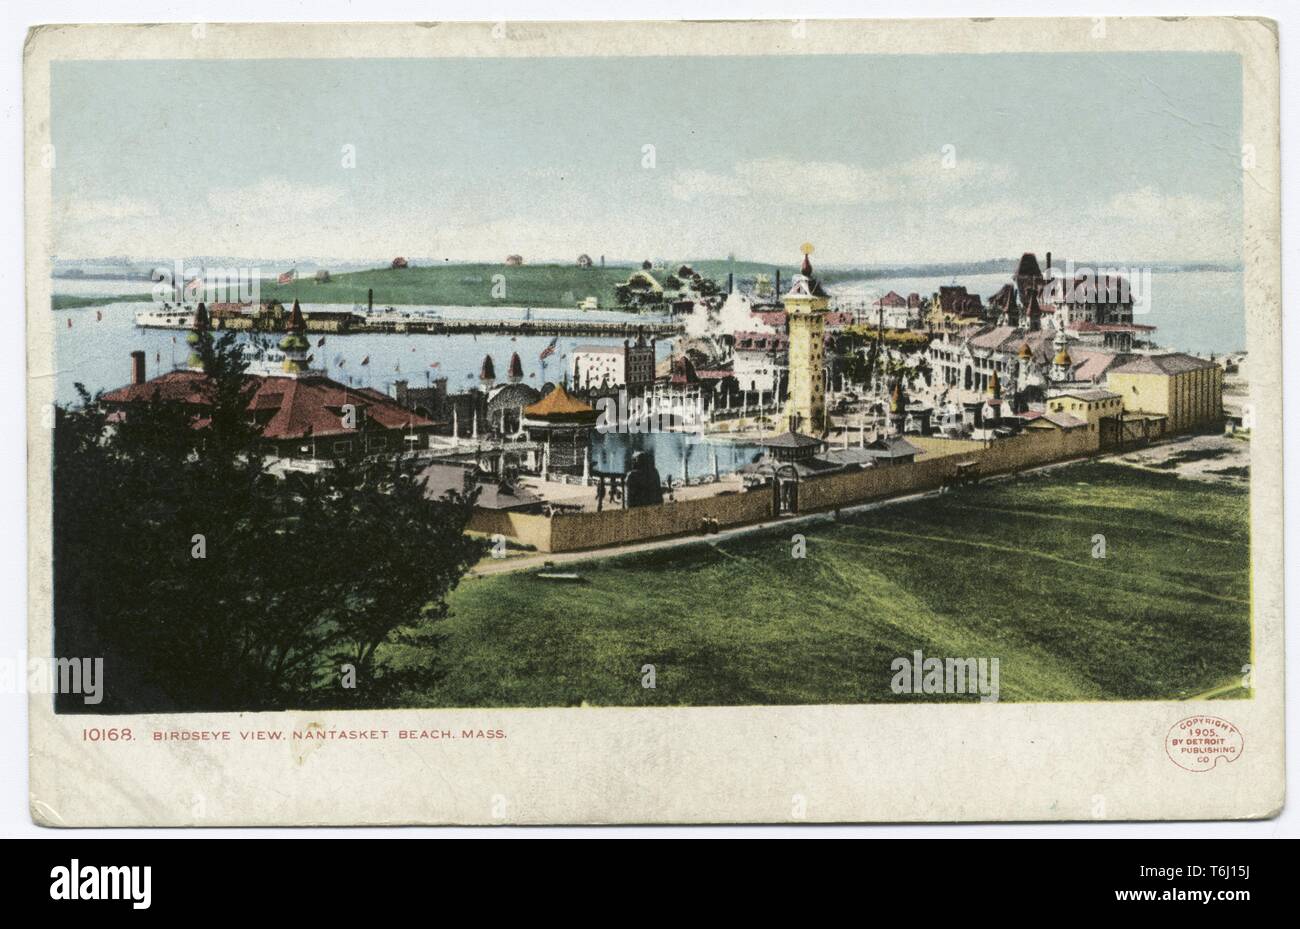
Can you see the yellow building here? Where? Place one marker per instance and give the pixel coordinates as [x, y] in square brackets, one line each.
[1188, 391]
[1091, 404]
[805, 307]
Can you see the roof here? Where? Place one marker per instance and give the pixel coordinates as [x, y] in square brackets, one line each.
[1093, 364]
[1060, 420]
[286, 407]
[1086, 325]
[791, 440]
[558, 405]
[1169, 364]
[511, 396]
[891, 299]
[1090, 394]
[894, 446]
[598, 350]
[1028, 266]
[443, 477]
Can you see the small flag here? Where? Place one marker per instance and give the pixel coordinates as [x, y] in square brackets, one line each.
[549, 350]
[287, 276]
[435, 364]
[194, 285]
[69, 322]
[365, 361]
[320, 341]
[99, 316]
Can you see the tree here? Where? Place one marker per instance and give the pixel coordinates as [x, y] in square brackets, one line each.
[205, 583]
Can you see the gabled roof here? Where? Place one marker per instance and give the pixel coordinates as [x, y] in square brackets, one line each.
[893, 446]
[1168, 364]
[1059, 420]
[288, 407]
[1028, 266]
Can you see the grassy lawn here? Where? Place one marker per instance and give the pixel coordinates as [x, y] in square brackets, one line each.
[1000, 570]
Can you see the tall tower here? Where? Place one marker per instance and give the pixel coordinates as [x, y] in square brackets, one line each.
[294, 344]
[805, 307]
[198, 332]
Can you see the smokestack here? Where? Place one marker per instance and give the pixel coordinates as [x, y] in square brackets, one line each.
[370, 299]
[731, 282]
[1049, 261]
[778, 282]
[137, 367]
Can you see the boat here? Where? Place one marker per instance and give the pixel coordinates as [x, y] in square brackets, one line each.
[168, 316]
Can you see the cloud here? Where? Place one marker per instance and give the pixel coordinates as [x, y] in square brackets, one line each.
[832, 183]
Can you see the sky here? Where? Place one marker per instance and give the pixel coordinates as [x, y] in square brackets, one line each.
[875, 159]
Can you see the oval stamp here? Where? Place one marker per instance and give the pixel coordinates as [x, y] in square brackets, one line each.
[1198, 742]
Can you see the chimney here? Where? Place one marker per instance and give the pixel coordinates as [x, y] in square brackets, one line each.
[778, 282]
[137, 367]
[731, 282]
[370, 299]
[1049, 263]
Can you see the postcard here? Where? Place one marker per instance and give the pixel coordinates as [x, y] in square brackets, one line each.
[661, 422]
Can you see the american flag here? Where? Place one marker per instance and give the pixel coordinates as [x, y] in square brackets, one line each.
[287, 276]
[549, 350]
[194, 285]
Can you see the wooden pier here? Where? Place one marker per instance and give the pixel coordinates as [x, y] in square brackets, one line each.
[339, 324]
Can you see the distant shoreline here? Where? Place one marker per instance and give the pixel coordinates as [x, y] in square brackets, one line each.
[546, 286]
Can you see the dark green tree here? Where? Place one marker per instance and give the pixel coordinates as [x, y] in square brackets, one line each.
[205, 583]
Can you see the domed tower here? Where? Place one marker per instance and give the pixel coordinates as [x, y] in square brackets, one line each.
[487, 374]
[1061, 361]
[805, 306]
[196, 335]
[515, 373]
[294, 344]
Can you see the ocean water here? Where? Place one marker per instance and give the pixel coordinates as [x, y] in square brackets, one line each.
[96, 351]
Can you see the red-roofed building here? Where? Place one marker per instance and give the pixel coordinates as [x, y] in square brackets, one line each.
[306, 417]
